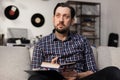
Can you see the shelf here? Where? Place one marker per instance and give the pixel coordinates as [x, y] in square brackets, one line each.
[82, 3]
[75, 24]
[88, 24]
[88, 20]
[91, 37]
[86, 15]
[88, 29]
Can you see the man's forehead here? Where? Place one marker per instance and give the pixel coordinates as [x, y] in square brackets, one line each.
[63, 9]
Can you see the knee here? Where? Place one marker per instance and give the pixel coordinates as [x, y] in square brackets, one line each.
[113, 72]
[112, 69]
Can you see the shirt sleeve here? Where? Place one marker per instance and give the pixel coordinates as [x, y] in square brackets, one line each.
[89, 57]
[37, 57]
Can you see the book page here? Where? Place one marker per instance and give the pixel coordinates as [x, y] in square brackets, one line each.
[49, 65]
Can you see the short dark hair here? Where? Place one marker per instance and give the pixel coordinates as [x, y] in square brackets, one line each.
[65, 5]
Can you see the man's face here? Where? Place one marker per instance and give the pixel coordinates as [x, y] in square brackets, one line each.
[62, 19]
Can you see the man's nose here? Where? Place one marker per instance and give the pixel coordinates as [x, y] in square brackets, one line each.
[61, 18]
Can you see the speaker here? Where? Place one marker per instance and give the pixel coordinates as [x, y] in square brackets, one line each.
[113, 39]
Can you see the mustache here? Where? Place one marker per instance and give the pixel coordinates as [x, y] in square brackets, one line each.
[61, 23]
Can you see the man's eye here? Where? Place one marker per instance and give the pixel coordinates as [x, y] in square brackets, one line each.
[67, 17]
[57, 15]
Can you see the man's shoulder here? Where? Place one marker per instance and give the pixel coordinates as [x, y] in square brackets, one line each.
[77, 36]
[46, 38]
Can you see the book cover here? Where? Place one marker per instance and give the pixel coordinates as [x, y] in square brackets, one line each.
[51, 74]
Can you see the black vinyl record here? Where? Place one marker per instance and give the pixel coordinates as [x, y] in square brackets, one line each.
[11, 12]
[37, 20]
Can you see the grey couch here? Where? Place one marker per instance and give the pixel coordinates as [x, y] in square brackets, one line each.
[13, 62]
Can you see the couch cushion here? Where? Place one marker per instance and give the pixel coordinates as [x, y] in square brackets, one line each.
[95, 53]
[115, 56]
[108, 56]
[31, 52]
[104, 57]
[13, 62]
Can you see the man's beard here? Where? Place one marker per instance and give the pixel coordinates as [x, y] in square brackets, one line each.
[61, 31]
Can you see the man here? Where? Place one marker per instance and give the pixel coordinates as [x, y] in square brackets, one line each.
[62, 46]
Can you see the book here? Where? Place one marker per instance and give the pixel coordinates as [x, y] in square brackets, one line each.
[52, 71]
[50, 65]
[56, 66]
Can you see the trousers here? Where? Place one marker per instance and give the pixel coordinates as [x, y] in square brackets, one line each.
[108, 73]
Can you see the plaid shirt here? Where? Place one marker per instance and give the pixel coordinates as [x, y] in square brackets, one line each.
[74, 49]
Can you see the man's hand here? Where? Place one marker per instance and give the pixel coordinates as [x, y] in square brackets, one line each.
[54, 60]
[84, 74]
[71, 78]
[70, 75]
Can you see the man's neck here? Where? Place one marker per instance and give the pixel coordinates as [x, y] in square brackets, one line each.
[61, 36]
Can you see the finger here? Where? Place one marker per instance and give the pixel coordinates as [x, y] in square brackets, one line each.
[54, 60]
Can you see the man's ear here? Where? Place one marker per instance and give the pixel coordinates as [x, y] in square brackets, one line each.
[72, 21]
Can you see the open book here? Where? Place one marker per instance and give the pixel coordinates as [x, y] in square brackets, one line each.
[57, 66]
[52, 73]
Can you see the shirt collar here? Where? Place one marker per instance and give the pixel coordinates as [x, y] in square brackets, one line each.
[54, 38]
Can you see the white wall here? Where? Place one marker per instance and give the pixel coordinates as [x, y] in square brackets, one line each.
[110, 15]
[27, 8]
[114, 17]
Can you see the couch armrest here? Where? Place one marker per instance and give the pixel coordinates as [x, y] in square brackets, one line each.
[13, 62]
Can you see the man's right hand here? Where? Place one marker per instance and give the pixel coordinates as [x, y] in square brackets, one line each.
[84, 74]
[70, 75]
[54, 60]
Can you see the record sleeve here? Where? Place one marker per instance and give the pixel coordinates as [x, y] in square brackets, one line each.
[11, 12]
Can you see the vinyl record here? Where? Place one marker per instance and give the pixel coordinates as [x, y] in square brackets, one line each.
[11, 12]
[37, 20]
